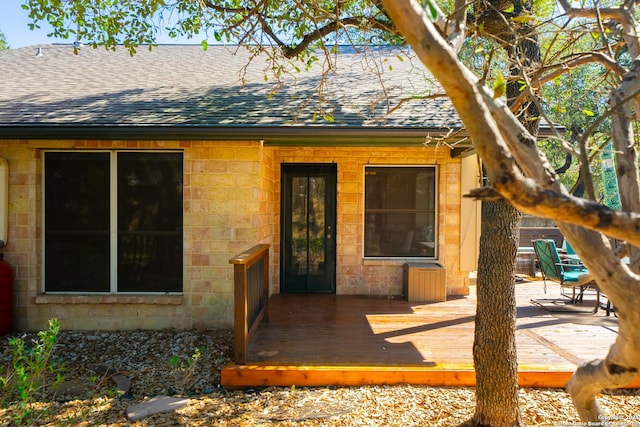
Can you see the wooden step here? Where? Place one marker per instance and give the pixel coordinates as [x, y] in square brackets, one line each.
[459, 375]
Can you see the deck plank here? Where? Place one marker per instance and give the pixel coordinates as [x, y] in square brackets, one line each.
[354, 340]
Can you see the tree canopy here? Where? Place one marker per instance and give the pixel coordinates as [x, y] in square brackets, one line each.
[4, 45]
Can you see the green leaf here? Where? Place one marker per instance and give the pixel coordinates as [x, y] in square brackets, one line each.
[588, 112]
[431, 10]
[499, 86]
[329, 118]
[522, 85]
[217, 36]
[204, 44]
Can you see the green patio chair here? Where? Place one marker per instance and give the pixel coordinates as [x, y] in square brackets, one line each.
[567, 247]
[567, 274]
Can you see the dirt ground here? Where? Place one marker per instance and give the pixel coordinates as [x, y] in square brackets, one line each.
[106, 372]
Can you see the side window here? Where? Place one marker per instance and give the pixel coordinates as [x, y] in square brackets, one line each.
[400, 211]
[101, 237]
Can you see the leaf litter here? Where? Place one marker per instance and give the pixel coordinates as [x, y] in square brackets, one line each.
[92, 358]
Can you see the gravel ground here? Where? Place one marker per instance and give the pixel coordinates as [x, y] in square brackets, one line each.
[167, 363]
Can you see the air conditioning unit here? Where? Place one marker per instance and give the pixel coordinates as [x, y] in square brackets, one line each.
[424, 282]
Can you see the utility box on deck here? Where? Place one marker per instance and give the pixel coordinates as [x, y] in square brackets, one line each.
[424, 282]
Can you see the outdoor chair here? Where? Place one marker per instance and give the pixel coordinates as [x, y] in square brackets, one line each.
[570, 252]
[567, 274]
[566, 246]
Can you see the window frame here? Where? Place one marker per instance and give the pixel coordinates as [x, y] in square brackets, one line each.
[436, 228]
[113, 223]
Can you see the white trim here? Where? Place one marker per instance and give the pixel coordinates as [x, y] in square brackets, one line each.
[113, 222]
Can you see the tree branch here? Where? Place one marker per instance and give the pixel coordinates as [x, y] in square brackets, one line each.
[606, 12]
[293, 51]
[624, 15]
[491, 126]
[581, 58]
[455, 29]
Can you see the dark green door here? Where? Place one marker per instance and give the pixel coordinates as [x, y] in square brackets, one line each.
[308, 228]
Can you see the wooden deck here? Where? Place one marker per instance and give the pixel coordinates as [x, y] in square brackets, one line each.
[325, 340]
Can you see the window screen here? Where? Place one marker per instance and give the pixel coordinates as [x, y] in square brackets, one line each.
[400, 212]
[139, 247]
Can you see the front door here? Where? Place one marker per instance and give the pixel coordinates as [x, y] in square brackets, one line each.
[308, 244]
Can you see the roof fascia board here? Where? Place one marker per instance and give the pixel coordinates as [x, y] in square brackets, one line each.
[344, 136]
[269, 135]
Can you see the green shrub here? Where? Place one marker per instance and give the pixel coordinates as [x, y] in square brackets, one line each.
[186, 367]
[33, 372]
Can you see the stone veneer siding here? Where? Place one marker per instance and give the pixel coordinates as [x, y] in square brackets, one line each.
[231, 203]
[354, 274]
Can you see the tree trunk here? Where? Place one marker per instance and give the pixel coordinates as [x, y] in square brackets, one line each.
[494, 347]
[501, 141]
[494, 351]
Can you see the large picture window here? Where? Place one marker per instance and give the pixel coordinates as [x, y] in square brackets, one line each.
[400, 211]
[113, 221]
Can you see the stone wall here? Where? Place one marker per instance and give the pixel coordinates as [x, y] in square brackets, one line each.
[359, 276]
[231, 203]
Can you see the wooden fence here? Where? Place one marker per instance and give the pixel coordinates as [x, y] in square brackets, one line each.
[251, 296]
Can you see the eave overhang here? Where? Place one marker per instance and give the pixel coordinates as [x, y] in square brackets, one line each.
[268, 135]
[303, 135]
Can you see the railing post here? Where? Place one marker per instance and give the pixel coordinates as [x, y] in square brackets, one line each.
[240, 313]
[245, 323]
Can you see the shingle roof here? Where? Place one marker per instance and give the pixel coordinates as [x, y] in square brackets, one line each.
[184, 85]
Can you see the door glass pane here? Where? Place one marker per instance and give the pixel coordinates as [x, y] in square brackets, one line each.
[149, 222]
[299, 199]
[308, 223]
[76, 193]
[316, 225]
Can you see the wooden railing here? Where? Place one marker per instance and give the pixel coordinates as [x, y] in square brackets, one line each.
[250, 295]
